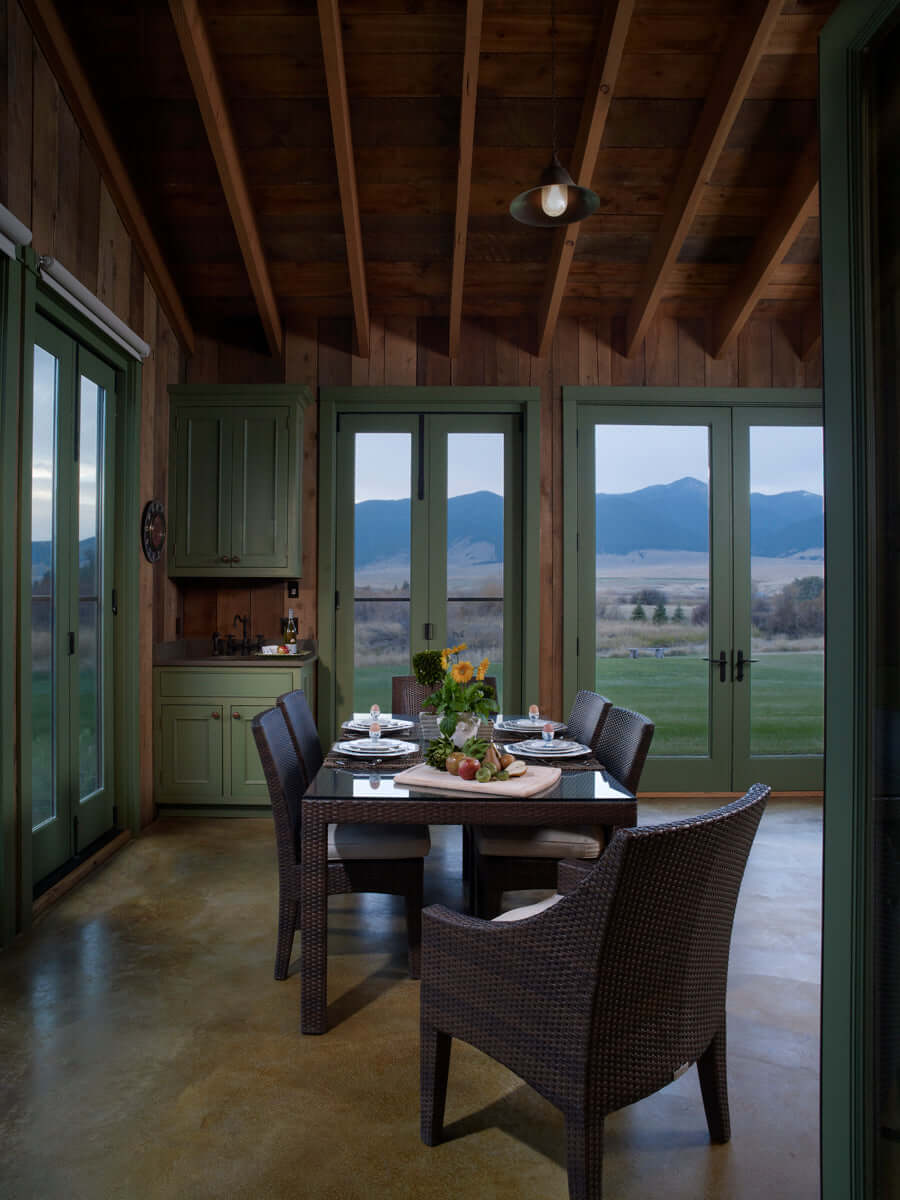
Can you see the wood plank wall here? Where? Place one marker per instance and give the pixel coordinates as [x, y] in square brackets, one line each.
[49, 180]
[409, 351]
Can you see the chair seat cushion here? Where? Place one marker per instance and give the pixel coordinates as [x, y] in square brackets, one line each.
[377, 841]
[518, 841]
[528, 910]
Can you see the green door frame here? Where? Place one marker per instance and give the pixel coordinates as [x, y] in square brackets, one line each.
[655, 401]
[36, 297]
[847, 1120]
[11, 276]
[335, 401]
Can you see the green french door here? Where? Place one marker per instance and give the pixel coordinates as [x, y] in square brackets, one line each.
[428, 548]
[701, 586]
[68, 764]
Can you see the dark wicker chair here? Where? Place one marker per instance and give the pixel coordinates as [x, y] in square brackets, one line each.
[587, 718]
[510, 859]
[600, 999]
[304, 733]
[361, 858]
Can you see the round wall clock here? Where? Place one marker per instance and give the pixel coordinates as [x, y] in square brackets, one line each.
[153, 530]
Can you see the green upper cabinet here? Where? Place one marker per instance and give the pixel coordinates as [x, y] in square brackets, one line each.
[235, 470]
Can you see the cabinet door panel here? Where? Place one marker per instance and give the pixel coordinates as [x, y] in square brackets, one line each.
[203, 446]
[260, 489]
[247, 783]
[191, 752]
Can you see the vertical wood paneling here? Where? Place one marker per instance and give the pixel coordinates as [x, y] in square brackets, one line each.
[69, 142]
[723, 372]
[376, 352]
[661, 353]
[755, 354]
[625, 372]
[432, 363]
[400, 351]
[4, 100]
[787, 369]
[691, 352]
[114, 267]
[203, 365]
[20, 101]
[88, 250]
[239, 364]
[301, 366]
[148, 570]
[45, 157]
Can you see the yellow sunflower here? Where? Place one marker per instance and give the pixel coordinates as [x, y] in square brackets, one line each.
[482, 669]
[445, 654]
[462, 672]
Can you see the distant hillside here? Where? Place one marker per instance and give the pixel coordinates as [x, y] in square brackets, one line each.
[42, 556]
[673, 516]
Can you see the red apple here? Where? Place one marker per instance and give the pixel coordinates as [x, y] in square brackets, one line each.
[468, 767]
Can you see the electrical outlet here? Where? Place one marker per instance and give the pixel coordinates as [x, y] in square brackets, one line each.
[293, 589]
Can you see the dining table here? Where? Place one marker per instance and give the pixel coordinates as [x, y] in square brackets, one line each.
[347, 790]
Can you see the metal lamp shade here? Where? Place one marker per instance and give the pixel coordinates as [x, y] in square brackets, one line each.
[582, 201]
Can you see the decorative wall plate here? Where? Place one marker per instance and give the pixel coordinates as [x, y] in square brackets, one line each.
[153, 530]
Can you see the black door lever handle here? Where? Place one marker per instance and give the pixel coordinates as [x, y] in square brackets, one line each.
[721, 662]
[740, 664]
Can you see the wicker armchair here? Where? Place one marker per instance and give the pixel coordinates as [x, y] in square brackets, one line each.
[408, 695]
[510, 859]
[601, 998]
[304, 734]
[361, 858]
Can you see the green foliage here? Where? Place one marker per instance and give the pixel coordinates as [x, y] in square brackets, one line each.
[475, 748]
[678, 616]
[649, 596]
[660, 616]
[462, 690]
[426, 665]
[637, 613]
[438, 752]
[798, 610]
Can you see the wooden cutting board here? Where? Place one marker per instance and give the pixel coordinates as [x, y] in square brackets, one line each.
[535, 780]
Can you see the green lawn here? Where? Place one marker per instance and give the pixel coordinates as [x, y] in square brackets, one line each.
[787, 694]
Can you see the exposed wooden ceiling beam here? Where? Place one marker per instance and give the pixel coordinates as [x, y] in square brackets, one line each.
[797, 203]
[805, 334]
[60, 54]
[474, 9]
[746, 46]
[600, 89]
[335, 75]
[201, 65]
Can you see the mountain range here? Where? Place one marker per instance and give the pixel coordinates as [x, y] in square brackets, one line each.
[672, 516]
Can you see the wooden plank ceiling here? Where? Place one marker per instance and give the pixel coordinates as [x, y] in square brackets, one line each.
[353, 169]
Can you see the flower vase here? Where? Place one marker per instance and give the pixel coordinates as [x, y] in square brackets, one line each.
[466, 727]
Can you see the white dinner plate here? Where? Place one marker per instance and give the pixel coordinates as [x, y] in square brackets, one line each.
[527, 723]
[538, 748]
[379, 748]
[387, 724]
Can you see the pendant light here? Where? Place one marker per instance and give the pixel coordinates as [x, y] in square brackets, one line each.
[557, 199]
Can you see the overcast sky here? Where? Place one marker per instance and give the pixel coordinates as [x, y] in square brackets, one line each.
[782, 459]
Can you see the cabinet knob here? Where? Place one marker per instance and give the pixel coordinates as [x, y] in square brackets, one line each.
[226, 558]
[236, 716]
[215, 716]
[235, 558]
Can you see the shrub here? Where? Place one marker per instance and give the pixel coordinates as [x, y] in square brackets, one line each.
[427, 667]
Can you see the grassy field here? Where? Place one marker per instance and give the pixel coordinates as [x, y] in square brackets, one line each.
[786, 707]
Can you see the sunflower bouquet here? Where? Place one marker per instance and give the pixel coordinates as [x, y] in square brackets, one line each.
[463, 690]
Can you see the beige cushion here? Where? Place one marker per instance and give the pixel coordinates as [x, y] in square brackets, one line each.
[520, 841]
[528, 910]
[378, 841]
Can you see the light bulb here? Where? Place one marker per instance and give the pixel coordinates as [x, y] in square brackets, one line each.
[554, 199]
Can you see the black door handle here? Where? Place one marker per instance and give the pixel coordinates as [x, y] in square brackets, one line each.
[741, 663]
[721, 662]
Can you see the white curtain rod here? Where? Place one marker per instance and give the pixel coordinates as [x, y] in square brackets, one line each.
[12, 232]
[95, 310]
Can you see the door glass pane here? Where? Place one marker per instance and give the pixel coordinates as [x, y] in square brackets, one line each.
[652, 577]
[475, 548]
[90, 585]
[43, 587]
[787, 568]
[381, 565]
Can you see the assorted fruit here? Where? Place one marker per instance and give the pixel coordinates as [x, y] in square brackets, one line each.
[478, 760]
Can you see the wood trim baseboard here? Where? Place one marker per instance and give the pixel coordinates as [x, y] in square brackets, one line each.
[49, 898]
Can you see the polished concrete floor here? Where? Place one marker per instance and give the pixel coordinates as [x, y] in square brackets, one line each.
[145, 1050]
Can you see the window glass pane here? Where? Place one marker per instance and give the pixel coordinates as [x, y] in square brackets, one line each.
[787, 566]
[43, 588]
[652, 581]
[90, 576]
[381, 565]
[475, 547]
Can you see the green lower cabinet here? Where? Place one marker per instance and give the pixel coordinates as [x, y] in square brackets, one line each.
[205, 753]
[190, 769]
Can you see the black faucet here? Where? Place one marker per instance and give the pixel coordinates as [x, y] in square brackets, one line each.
[244, 644]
